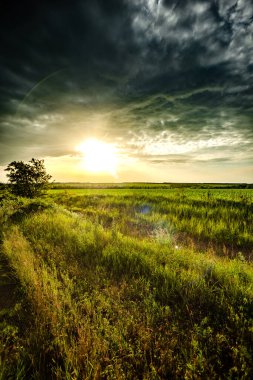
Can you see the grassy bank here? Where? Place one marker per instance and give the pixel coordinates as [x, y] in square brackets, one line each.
[108, 303]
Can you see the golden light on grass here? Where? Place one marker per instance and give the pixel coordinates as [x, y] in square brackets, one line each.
[98, 156]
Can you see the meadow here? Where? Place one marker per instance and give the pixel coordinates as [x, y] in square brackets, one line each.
[134, 282]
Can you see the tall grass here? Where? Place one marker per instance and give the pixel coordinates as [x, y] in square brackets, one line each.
[107, 304]
[220, 220]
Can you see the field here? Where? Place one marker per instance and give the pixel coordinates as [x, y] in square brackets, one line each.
[135, 282]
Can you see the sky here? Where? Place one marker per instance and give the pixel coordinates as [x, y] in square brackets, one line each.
[167, 85]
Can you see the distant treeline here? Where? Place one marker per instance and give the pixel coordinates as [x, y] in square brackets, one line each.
[149, 185]
[142, 185]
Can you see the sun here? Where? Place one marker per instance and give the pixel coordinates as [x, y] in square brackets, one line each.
[98, 156]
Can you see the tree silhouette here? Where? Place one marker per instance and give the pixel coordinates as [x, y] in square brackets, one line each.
[27, 179]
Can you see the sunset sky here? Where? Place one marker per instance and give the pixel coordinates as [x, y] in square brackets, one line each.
[128, 90]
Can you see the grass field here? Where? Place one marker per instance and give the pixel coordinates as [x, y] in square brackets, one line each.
[127, 283]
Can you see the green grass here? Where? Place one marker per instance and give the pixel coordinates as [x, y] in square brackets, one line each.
[119, 286]
[221, 220]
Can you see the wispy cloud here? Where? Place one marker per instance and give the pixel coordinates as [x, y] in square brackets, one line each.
[168, 81]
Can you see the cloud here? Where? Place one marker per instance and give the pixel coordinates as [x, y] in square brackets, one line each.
[172, 74]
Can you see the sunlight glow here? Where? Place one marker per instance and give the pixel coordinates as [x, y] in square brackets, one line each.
[99, 157]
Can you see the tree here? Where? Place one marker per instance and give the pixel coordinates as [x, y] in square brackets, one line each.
[27, 179]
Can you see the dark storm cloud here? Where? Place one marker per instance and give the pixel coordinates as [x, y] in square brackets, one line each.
[79, 36]
[146, 66]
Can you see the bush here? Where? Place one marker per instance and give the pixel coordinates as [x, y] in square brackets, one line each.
[27, 179]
